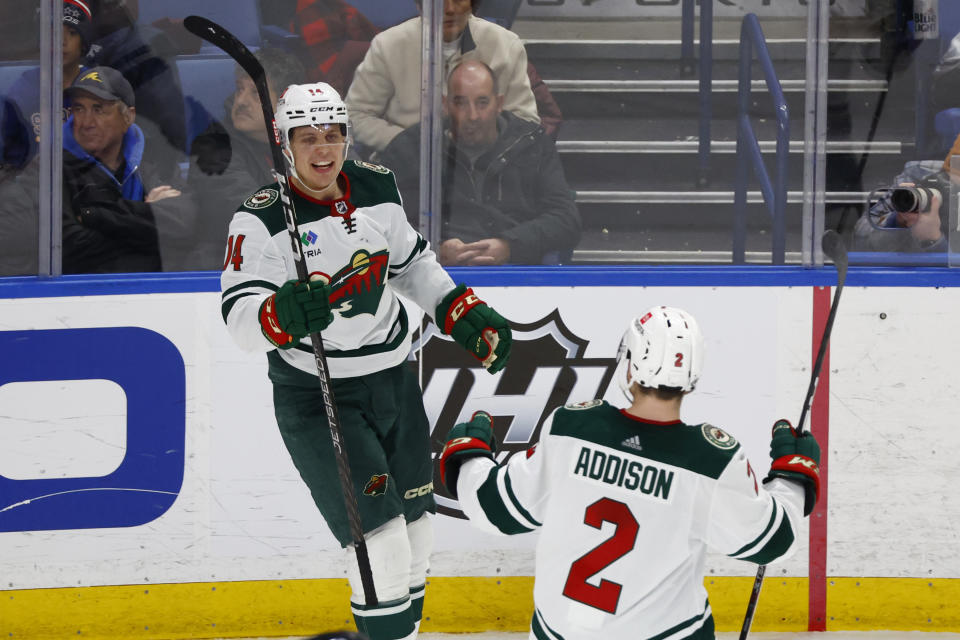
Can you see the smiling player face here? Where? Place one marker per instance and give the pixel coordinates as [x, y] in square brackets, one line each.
[318, 155]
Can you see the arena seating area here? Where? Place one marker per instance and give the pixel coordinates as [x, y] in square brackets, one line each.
[629, 136]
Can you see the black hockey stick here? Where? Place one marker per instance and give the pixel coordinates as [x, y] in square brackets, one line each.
[220, 37]
[833, 247]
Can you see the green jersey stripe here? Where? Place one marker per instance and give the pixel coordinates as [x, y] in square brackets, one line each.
[776, 546]
[383, 608]
[249, 284]
[228, 305]
[541, 629]
[494, 508]
[399, 330]
[417, 250]
[763, 534]
[697, 620]
[508, 485]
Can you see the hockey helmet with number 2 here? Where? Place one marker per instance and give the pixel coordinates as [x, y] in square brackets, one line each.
[661, 349]
[315, 105]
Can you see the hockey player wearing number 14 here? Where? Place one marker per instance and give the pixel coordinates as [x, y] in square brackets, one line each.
[668, 489]
[360, 252]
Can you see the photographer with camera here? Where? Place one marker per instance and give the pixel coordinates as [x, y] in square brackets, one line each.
[906, 218]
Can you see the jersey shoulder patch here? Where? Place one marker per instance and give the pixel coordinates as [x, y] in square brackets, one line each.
[265, 205]
[579, 406]
[262, 199]
[372, 167]
[717, 437]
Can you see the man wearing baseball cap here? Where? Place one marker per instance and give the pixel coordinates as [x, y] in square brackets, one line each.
[108, 224]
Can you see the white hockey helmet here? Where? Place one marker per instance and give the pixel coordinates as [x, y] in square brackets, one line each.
[661, 349]
[302, 105]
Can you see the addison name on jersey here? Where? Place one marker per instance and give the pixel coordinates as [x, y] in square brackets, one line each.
[609, 493]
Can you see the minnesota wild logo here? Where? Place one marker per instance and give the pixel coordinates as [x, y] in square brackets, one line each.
[357, 287]
[377, 486]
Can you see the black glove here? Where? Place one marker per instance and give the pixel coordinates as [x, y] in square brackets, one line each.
[213, 151]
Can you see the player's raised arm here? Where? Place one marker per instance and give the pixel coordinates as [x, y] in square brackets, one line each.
[759, 521]
[470, 475]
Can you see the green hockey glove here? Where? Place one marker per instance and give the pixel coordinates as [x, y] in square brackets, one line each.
[295, 311]
[475, 326]
[464, 441]
[796, 457]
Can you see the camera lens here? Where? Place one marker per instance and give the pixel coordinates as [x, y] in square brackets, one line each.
[910, 199]
[904, 199]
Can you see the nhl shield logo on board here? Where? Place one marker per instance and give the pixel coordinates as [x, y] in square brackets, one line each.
[547, 370]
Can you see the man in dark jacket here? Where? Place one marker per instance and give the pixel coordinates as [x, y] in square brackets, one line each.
[108, 224]
[504, 196]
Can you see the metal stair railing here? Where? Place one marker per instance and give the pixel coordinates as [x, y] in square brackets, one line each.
[705, 73]
[748, 149]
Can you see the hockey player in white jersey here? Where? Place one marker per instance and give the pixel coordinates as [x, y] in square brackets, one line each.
[627, 501]
[360, 252]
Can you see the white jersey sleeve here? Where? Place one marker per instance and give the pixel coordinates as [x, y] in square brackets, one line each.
[752, 521]
[414, 270]
[261, 270]
[509, 498]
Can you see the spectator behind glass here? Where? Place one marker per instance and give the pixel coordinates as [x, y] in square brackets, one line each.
[144, 56]
[883, 228]
[335, 37]
[108, 190]
[384, 98]
[107, 222]
[20, 124]
[226, 160]
[504, 196]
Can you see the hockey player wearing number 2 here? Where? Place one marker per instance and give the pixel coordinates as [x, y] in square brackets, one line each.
[360, 252]
[628, 500]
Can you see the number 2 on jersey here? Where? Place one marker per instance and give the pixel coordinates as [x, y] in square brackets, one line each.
[606, 596]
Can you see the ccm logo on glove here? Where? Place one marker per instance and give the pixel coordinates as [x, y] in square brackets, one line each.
[460, 306]
[476, 327]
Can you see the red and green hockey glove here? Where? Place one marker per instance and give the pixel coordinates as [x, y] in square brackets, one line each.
[295, 311]
[796, 457]
[466, 440]
[475, 326]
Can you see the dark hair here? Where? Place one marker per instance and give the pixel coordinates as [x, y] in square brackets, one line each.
[662, 393]
[473, 5]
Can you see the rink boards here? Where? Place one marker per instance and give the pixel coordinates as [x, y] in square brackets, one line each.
[145, 492]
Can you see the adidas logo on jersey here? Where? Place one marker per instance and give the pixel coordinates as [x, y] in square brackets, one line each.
[633, 442]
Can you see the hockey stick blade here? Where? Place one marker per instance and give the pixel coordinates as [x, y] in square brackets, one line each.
[834, 248]
[231, 45]
[225, 41]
